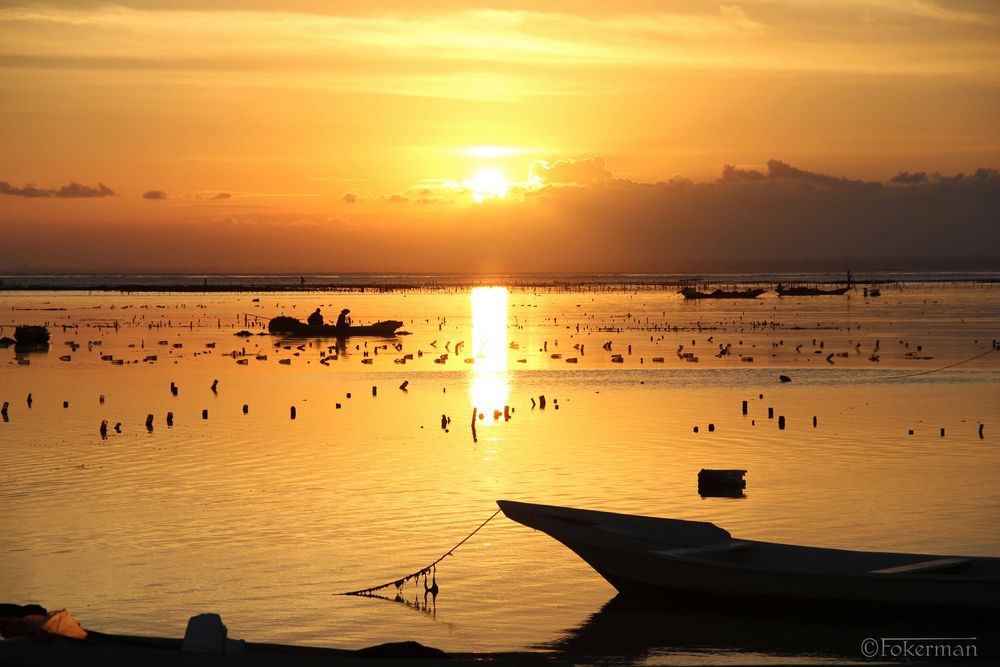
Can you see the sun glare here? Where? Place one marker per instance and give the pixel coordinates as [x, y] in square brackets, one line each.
[488, 184]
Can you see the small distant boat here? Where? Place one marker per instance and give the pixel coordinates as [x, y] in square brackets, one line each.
[294, 327]
[698, 560]
[810, 291]
[692, 293]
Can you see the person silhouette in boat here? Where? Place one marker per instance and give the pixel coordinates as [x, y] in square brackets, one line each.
[343, 321]
[316, 319]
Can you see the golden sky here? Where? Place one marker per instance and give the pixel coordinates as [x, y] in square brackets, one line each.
[366, 122]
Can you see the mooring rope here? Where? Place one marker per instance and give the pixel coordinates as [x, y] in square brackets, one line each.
[424, 571]
[935, 370]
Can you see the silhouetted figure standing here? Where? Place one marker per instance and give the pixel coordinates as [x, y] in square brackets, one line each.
[316, 319]
[343, 321]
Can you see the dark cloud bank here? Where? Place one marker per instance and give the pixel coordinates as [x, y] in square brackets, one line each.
[583, 219]
[783, 217]
[73, 190]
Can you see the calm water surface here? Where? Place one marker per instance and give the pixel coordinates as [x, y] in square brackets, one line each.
[263, 519]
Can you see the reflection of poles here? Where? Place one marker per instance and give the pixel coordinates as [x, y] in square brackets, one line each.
[475, 411]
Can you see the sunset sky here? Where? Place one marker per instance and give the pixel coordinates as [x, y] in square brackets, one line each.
[333, 136]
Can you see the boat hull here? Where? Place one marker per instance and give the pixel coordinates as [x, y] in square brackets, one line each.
[763, 572]
[289, 326]
[689, 293]
[811, 291]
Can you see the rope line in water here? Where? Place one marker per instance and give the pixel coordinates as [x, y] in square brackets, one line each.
[935, 370]
[424, 571]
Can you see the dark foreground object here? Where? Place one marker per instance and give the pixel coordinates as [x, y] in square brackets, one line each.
[294, 327]
[699, 561]
[629, 630]
[101, 649]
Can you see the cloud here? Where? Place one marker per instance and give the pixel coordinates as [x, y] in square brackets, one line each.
[733, 173]
[784, 218]
[155, 194]
[587, 171]
[73, 190]
[349, 198]
[788, 217]
[908, 178]
[222, 195]
[776, 169]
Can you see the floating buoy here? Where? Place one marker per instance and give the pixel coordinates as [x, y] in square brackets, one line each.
[721, 479]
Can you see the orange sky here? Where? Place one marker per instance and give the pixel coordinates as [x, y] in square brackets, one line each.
[237, 117]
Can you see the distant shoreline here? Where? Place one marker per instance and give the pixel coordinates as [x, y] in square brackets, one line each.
[586, 282]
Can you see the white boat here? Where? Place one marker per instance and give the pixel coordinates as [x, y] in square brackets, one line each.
[699, 560]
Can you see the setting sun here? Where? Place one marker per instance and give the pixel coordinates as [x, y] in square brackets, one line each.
[488, 184]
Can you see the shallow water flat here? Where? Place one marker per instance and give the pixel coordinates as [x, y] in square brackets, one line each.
[263, 518]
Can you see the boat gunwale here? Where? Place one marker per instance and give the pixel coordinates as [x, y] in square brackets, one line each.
[694, 558]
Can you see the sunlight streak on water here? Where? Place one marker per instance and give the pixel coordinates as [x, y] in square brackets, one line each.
[490, 385]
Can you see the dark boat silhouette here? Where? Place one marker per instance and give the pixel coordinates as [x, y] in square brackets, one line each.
[294, 327]
[692, 293]
[698, 560]
[810, 291]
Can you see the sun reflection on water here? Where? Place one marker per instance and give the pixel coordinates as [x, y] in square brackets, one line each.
[490, 385]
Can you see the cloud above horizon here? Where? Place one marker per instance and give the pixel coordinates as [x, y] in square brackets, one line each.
[72, 190]
[777, 215]
[586, 171]
[154, 194]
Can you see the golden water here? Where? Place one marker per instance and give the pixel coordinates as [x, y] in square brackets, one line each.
[263, 518]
